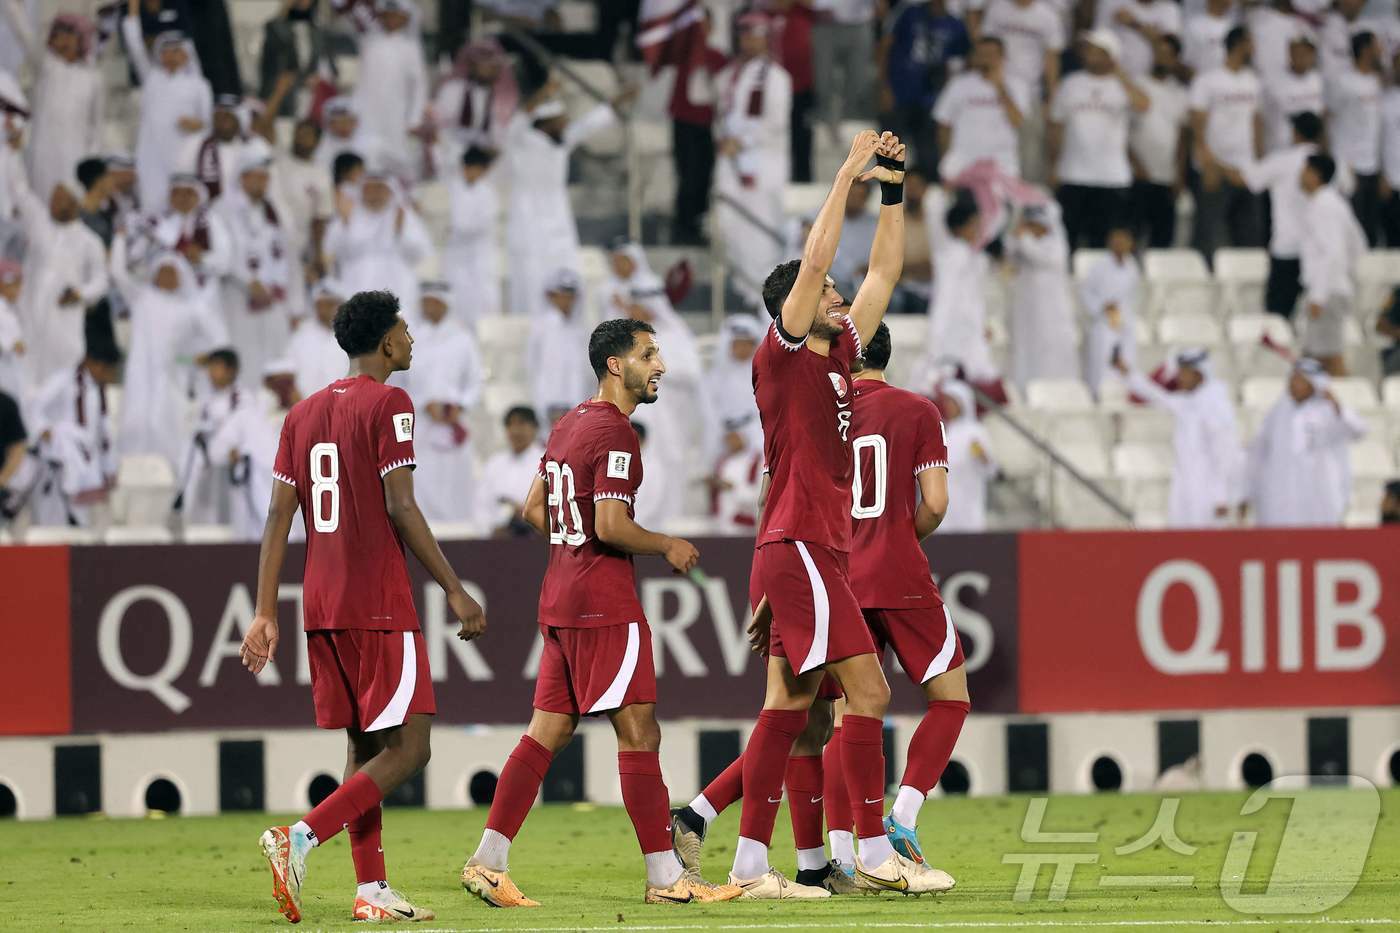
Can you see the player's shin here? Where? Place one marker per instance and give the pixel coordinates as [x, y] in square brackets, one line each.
[863, 759]
[765, 761]
[929, 750]
[837, 803]
[366, 847]
[352, 800]
[648, 806]
[516, 790]
[803, 781]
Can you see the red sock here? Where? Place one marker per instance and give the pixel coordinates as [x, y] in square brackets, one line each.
[351, 800]
[804, 790]
[518, 786]
[932, 744]
[765, 760]
[645, 797]
[727, 787]
[366, 847]
[834, 796]
[863, 760]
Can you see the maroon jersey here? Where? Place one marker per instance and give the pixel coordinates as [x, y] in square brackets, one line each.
[592, 454]
[897, 435]
[804, 401]
[336, 447]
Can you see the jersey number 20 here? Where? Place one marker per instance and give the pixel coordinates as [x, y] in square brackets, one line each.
[565, 522]
[325, 487]
[874, 446]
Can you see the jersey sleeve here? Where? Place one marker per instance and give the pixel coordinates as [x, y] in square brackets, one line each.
[283, 467]
[392, 430]
[617, 465]
[930, 441]
[848, 347]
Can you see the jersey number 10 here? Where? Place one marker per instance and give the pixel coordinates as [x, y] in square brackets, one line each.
[874, 446]
[565, 522]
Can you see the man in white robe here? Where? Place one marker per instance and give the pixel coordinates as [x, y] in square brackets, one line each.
[557, 353]
[14, 376]
[65, 271]
[221, 154]
[1332, 243]
[254, 292]
[1206, 441]
[507, 474]
[970, 462]
[13, 123]
[377, 240]
[344, 134]
[728, 382]
[70, 418]
[391, 92]
[541, 234]
[316, 358]
[1299, 467]
[752, 128]
[204, 493]
[958, 309]
[1109, 294]
[470, 258]
[445, 385]
[245, 446]
[176, 109]
[1043, 344]
[738, 478]
[303, 193]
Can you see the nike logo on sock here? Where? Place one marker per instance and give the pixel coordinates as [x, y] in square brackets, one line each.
[775, 800]
[876, 800]
[816, 800]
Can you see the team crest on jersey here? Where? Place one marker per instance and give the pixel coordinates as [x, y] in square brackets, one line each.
[838, 382]
[403, 426]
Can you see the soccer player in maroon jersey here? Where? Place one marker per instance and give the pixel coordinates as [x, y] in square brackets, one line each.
[597, 656]
[801, 377]
[899, 497]
[346, 460]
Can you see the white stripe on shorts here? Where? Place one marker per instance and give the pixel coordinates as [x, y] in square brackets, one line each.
[397, 710]
[945, 654]
[612, 697]
[821, 613]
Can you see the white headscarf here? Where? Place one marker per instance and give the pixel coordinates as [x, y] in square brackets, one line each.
[644, 287]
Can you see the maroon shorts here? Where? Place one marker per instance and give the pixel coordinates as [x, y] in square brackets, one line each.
[368, 680]
[830, 689]
[584, 671]
[923, 639]
[816, 619]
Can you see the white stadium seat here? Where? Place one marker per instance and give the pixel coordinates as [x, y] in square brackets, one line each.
[503, 338]
[1252, 358]
[801, 199]
[1189, 328]
[208, 534]
[59, 534]
[1390, 392]
[455, 531]
[1142, 461]
[1143, 425]
[1086, 259]
[1177, 279]
[1356, 393]
[1377, 272]
[137, 534]
[1058, 395]
[1261, 391]
[145, 491]
[1015, 455]
[907, 331]
[1242, 275]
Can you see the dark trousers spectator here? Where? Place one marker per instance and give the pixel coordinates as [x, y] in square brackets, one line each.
[1366, 202]
[1284, 287]
[693, 149]
[915, 128]
[1390, 218]
[1154, 209]
[1225, 216]
[1090, 212]
[803, 103]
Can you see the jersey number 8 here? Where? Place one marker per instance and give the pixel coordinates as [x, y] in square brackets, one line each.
[563, 528]
[880, 460]
[325, 481]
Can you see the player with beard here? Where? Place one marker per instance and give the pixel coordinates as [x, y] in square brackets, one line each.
[597, 656]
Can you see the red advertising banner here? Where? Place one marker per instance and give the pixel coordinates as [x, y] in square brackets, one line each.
[1131, 621]
[156, 630]
[34, 692]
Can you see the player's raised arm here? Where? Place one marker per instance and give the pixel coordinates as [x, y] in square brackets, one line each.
[261, 640]
[800, 308]
[413, 529]
[887, 252]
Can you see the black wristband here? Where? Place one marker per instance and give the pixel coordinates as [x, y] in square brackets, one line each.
[889, 162]
[891, 193]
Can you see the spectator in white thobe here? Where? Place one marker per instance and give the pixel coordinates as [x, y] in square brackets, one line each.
[470, 258]
[445, 385]
[541, 234]
[1299, 467]
[303, 190]
[752, 125]
[1206, 440]
[957, 332]
[71, 419]
[507, 474]
[316, 359]
[344, 134]
[391, 92]
[65, 271]
[557, 353]
[221, 155]
[204, 489]
[246, 446]
[1043, 340]
[728, 382]
[69, 97]
[738, 478]
[14, 378]
[377, 239]
[176, 109]
[1332, 243]
[1109, 294]
[970, 462]
[474, 105]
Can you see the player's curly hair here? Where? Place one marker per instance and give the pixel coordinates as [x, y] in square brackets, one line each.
[877, 350]
[778, 284]
[361, 323]
[613, 338]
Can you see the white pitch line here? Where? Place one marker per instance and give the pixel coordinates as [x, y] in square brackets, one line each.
[1022, 924]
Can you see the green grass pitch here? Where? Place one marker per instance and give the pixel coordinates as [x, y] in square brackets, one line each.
[582, 863]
